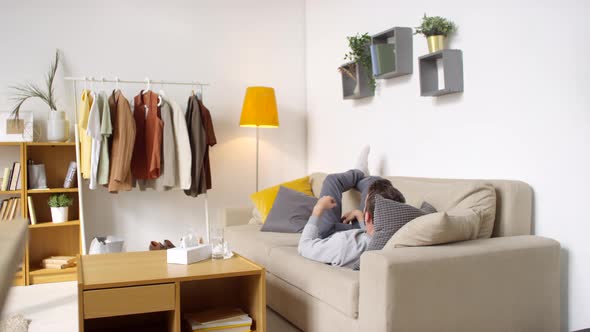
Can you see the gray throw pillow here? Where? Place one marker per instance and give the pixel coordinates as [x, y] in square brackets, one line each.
[290, 212]
[426, 207]
[389, 216]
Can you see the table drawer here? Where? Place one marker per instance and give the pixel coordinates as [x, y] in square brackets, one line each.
[128, 300]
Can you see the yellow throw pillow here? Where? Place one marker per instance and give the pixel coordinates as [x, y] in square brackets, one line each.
[264, 199]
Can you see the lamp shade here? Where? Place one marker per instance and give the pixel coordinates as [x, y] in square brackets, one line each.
[260, 108]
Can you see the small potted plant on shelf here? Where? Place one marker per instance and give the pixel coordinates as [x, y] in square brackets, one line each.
[58, 127]
[59, 205]
[436, 29]
[357, 74]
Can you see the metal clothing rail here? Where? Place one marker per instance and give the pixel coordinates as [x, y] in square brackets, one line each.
[116, 80]
[146, 80]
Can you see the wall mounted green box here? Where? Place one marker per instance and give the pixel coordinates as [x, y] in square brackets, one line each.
[392, 53]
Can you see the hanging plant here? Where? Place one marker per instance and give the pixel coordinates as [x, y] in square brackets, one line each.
[26, 91]
[359, 54]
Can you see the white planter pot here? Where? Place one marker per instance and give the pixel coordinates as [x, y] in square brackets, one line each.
[58, 128]
[59, 214]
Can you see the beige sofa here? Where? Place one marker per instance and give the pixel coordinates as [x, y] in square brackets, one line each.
[509, 282]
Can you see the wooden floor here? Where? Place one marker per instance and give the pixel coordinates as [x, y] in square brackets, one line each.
[54, 307]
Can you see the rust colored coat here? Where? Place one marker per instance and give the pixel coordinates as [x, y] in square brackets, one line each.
[147, 152]
[121, 143]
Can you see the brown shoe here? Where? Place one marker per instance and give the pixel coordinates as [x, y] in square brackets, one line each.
[156, 246]
[168, 244]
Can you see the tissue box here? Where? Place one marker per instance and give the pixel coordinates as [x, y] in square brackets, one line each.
[188, 255]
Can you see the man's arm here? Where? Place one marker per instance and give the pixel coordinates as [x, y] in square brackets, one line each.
[310, 245]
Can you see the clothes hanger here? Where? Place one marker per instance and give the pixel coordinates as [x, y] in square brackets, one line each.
[85, 83]
[102, 83]
[160, 97]
[148, 87]
[117, 83]
[91, 83]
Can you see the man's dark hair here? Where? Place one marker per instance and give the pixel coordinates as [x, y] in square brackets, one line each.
[384, 188]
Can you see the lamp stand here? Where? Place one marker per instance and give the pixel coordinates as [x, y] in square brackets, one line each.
[257, 156]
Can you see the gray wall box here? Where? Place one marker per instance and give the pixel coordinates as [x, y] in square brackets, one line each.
[357, 87]
[392, 53]
[452, 62]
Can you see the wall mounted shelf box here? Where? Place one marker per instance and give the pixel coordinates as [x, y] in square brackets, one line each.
[392, 53]
[358, 86]
[452, 71]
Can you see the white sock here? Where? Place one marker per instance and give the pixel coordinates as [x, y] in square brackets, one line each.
[363, 162]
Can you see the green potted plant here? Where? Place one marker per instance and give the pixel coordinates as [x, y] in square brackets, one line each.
[57, 126]
[59, 205]
[357, 74]
[436, 29]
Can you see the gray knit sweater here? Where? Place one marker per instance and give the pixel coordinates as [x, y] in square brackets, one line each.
[341, 248]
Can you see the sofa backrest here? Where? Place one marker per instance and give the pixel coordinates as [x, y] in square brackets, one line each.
[514, 199]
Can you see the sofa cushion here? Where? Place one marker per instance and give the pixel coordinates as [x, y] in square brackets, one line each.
[264, 199]
[290, 212]
[388, 218]
[335, 286]
[250, 242]
[437, 228]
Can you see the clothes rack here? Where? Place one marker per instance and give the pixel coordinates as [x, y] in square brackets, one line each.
[116, 80]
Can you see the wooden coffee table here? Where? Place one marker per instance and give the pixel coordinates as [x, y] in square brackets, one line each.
[140, 291]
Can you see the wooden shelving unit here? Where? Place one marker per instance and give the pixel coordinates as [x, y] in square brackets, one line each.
[46, 238]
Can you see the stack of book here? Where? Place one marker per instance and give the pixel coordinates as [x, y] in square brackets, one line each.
[10, 208]
[58, 262]
[219, 320]
[12, 178]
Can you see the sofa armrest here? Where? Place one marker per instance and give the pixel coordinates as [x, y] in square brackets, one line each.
[236, 216]
[497, 284]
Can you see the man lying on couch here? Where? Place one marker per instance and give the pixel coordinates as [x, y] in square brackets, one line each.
[329, 237]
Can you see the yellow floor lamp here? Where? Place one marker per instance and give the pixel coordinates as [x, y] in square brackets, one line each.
[260, 111]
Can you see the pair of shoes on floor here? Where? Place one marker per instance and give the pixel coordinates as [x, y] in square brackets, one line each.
[155, 245]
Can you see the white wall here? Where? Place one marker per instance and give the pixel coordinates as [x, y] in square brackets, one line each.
[524, 113]
[227, 43]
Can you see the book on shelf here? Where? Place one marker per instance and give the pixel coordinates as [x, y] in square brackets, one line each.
[5, 179]
[58, 262]
[3, 208]
[9, 209]
[15, 175]
[219, 320]
[32, 215]
[56, 266]
[15, 205]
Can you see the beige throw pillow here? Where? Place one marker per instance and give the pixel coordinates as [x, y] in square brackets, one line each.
[437, 228]
[479, 197]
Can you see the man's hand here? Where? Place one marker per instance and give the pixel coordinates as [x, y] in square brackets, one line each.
[348, 217]
[324, 203]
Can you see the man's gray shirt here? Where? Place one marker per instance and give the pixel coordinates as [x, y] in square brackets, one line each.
[341, 248]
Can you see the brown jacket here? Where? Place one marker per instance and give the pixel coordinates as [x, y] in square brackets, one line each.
[121, 143]
[202, 136]
[147, 152]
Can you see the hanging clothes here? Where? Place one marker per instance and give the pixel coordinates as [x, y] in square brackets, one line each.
[183, 147]
[86, 102]
[211, 141]
[146, 160]
[106, 129]
[93, 131]
[121, 143]
[168, 169]
[202, 136]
